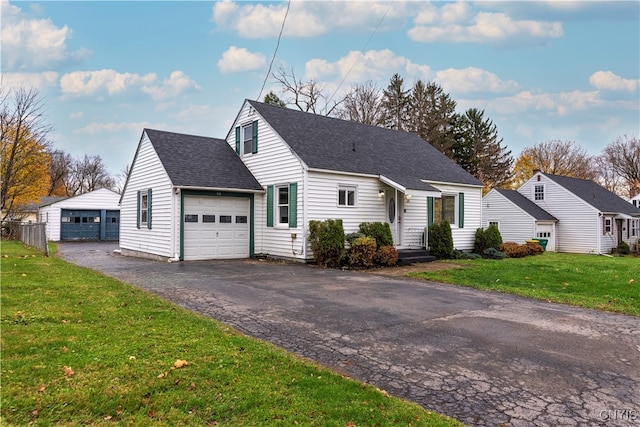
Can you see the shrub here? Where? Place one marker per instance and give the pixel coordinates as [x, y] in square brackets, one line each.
[363, 250]
[487, 238]
[513, 250]
[380, 231]
[623, 248]
[352, 236]
[458, 254]
[480, 241]
[534, 248]
[326, 239]
[441, 240]
[493, 237]
[493, 253]
[387, 256]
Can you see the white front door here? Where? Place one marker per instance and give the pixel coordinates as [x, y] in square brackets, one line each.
[393, 208]
[216, 227]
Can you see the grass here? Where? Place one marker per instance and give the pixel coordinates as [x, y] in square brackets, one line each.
[81, 348]
[603, 283]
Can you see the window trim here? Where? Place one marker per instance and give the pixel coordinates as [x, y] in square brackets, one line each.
[241, 142]
[607, 225]
[347, 189]
[277, 205]
[142, 194]
[497, 223]
[542, 193]
[456, 208]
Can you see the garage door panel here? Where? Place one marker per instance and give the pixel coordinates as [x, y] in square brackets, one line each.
[224, 233]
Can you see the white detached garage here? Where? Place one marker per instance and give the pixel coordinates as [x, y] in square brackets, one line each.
[187, 198]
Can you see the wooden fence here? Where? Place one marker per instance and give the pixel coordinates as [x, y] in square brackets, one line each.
[31, 234]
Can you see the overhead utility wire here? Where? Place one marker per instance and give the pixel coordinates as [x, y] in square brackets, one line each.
[275, 51]
[375, 30]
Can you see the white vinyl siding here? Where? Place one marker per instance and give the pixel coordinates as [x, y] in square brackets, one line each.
[95, 200]
[515, 224]
[273, 164]
[147, 172]
[579, 227]
[463, 237]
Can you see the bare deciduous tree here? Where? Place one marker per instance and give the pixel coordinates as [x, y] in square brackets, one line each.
[60, 166]
[121, 178]
[557, 157]
[622, 158]
[307, 96]
[363, 105]
[89, 173]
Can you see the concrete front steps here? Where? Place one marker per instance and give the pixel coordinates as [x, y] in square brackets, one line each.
[410, 256]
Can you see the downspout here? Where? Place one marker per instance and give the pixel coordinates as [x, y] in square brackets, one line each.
[176, 193]
[305, 192]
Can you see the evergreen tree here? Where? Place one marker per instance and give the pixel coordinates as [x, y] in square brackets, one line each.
[395, 104]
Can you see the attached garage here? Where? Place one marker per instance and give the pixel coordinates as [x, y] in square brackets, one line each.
[216, 227]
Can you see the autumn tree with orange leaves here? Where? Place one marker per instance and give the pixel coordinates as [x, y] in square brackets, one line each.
[24, 163]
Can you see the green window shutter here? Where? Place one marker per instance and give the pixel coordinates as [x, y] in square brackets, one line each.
[139, 197]
[238, 140]
[460, 210]
[270, 206]
[149, 209]
[293, 205]
[429, 210]
[254, 137]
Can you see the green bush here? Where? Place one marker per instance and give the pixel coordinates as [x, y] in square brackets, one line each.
[441, 240]
[487, 238]
[326, 239]
[386, 256]
[493, 253]
[379, 231]
[353, 236]
[363, 250]
[458, 254]
[623, 248]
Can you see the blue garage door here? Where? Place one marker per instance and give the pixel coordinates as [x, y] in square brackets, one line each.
[80, 225]
[112, 226]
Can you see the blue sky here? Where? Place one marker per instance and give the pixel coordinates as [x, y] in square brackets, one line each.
[106, 70]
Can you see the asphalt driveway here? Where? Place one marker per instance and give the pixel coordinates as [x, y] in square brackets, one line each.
[481, 357]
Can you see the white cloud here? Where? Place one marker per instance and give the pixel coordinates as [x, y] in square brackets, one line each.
[373, 65]
[562, 103]
[239, 59]
[455, 23]
[307, 19]
[607, 80]
[33, 44]
[76, 115]
[113, 127]
[473, 79]
[176, 84]
[38, 81]
[84, 83]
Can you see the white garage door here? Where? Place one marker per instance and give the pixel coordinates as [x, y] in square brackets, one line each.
[216, 227]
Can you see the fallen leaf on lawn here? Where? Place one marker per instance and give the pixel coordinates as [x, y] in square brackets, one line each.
[350, 424]
[632, 281]
[180, 363]
[526, 277]
[108, 418]
[42, 389]
[34, 412]
[162, 375]
[64, 349]
[68, 371]
[191, 387]
[132, 358]
[64, 322]
[24, 275]
[152, 414]
[119, 411]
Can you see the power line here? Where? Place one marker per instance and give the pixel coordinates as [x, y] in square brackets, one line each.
[375, 30]
[275, 51]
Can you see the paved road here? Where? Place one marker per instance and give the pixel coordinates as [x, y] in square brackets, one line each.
[481, 357]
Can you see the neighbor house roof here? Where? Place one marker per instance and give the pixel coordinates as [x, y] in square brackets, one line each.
[526, 205]
[595, 195]
[344, 146]
[49, 200]
[189, 161]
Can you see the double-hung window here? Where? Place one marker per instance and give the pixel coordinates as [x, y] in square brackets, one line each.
[445, 209]
[346, 196]
[538, 192]
[144, 209]
[608, 226]
[246, 138]
[282, 209]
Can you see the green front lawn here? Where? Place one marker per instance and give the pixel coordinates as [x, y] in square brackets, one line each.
[79, 348]
[603, 283]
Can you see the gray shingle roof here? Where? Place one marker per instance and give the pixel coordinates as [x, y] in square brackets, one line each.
[198, 161]
[340, 145]
[49, 200]
[595, 195]
[526, 205]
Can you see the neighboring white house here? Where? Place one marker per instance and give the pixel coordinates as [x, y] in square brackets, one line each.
[590, 218]
[518, 218]
[89, 216]
[278, 169]
[635, 201]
